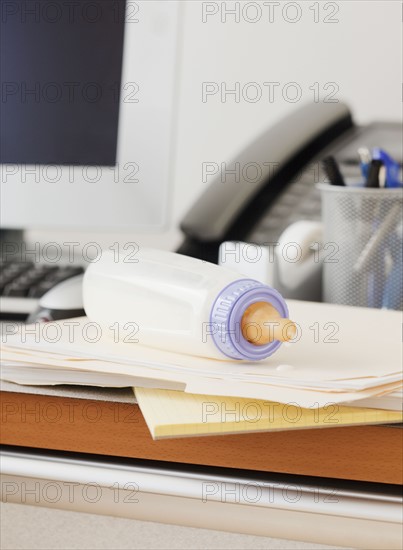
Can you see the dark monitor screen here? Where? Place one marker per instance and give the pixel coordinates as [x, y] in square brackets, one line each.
[60, 71]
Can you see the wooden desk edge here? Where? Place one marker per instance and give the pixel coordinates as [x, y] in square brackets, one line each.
[364, 453]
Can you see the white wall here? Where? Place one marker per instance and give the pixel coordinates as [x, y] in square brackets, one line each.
[361, 53]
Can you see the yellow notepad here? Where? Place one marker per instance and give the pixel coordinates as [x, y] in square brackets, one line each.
[178, 414]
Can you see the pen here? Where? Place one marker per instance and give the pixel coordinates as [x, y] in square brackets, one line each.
[373, 245]
[383, 177]
[373, 250]
[332, 171]
[392, 167]
[393, 291]
[373, 174]
[365, 159]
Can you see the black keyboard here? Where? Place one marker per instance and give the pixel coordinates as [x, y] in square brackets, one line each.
[23, 283]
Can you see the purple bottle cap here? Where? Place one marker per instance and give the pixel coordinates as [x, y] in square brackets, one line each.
[226, 316]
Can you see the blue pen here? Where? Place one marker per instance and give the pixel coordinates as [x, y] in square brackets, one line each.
[393, 292]
[365, 161]
[392, 167]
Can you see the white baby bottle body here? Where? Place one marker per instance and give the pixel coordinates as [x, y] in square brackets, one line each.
[165, 297]
[175, 303]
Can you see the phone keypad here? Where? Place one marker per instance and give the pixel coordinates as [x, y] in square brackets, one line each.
[300, 201]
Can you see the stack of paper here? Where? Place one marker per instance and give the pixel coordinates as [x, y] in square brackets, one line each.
[341, 355]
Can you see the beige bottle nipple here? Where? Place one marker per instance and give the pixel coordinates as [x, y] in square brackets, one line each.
[261, 323]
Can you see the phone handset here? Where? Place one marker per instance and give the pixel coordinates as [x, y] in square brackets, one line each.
[229, 211]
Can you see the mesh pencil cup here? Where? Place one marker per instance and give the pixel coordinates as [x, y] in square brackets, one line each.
[362, 246]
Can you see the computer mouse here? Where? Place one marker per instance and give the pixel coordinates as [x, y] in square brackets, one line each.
[63, 301]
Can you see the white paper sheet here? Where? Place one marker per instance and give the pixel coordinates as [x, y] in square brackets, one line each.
[340, 354]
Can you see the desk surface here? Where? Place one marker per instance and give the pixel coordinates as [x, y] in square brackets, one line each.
[117, 428]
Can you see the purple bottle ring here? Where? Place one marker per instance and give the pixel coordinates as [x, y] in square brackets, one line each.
[226, 316]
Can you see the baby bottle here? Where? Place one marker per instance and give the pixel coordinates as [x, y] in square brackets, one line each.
[186, 305]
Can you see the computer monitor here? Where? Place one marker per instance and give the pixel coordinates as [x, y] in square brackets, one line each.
[87, 100]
